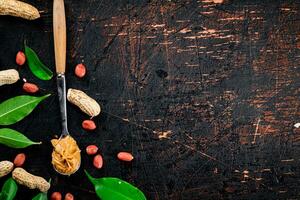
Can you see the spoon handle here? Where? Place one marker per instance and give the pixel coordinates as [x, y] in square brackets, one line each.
[59, 31]
[61, 89]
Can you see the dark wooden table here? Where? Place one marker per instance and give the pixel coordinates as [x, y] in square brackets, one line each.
[205, 96]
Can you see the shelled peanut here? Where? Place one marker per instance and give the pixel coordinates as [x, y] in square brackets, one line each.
[56, 196]
[125, 156]
[19, 159]
[80, 70]
[89, 125]
[69, 196]
[30, 87]
[91, 149]
[98, 161]
[20, 58]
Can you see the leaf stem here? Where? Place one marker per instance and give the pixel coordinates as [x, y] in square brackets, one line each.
[92, 179]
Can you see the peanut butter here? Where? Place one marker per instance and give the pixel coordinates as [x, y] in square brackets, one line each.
[66, 155]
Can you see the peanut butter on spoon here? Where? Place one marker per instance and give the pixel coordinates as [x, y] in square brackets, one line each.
[66, 157]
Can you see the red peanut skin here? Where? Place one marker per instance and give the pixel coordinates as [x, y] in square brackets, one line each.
[69, 196]
[98, 161]
[91, 149]
[30, 87]
[20, 58]
[80, 70]
[56, 196]
[89, 125]
[125, 156]
[19, 159]
[218, 1]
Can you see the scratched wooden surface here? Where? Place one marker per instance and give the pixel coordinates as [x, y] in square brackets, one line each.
[204, 95]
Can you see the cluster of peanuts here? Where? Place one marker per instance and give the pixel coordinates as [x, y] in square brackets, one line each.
[58, 196]
[11, 76]
[6, 166]
[21, 176]
[87, 104]
[98, 159]
[27, 87]
[77, 97]
[92, 108]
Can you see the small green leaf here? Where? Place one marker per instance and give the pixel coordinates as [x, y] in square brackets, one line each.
[36, 66]
[113, 188]
[9, 190]
[40, 196]
[14, 139]
[16, 108]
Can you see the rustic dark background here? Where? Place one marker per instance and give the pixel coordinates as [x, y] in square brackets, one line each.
[204, 95]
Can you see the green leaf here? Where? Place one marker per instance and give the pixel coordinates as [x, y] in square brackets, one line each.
[36, 66]
[16, 108]
[9, 190]
[42, 195]
[115, 189]
[14, 139]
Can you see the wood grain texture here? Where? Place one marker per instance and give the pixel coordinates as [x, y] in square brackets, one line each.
[204, 95]
[59, 35]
